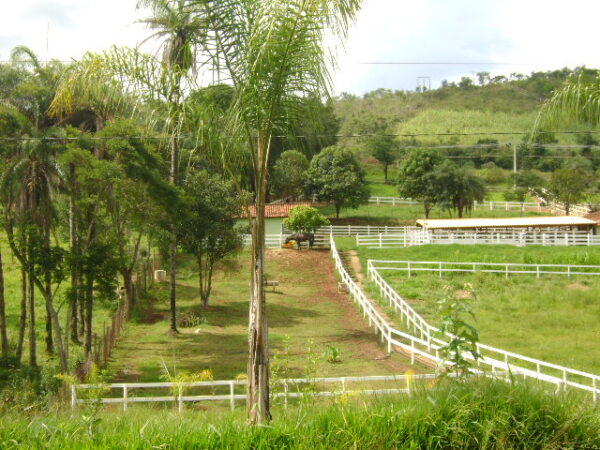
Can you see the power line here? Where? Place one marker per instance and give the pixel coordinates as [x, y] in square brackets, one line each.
[451, 63]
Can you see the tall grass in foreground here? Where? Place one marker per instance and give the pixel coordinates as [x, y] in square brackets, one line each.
[474, 414]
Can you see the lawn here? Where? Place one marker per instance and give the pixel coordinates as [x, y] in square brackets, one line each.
[306, 315]
[555, 318]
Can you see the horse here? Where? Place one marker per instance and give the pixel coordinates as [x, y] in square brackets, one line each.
[301, 237]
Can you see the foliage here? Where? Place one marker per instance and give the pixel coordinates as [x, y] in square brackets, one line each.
[305, 218]
[568, 186]
[206, 226]
[332, 354]
[458, 188]
[462, 336]
[335, 175]
[287, 181]
[383, 149]
[417, 177]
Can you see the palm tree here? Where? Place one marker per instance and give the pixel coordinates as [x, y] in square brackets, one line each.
[577, 101]
[181, 29]
[273, 54]
[27, 187]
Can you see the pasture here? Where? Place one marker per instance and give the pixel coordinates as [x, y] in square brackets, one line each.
[307, 317]
[553, 318]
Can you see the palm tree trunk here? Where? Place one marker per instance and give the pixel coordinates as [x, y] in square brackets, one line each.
[3, 332]
[173, 244]
[32, 335]
[258, 410]
[23, 317]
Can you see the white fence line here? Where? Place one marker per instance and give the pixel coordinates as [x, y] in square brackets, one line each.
[491, 204]
[290, 383]
[441, 267]
[410, 238]
[276, 240]
[353, 230]
[558, 375]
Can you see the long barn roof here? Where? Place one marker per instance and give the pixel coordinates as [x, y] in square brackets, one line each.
[511, 222]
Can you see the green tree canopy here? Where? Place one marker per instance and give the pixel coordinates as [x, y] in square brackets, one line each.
[568, 186]
[336, 176]
[383, 148]
[305, 218]
[417, 177]
[287, 179]
[458, 187]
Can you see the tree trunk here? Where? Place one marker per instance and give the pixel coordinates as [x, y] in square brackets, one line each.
[76, 265]
[89, 304]
[385, 173]
[173, 244]
[81, 303]
[32, 335]
[337, 210]
[205, 279]
[3, 333]
[257, 406]
[129, 292]
[23, 317]
[567, 208]
[427, 209]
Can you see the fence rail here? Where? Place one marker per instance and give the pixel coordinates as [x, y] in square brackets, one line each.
[353, 230]
[560, 376]
[288, 388]
[408, 238]
[491, 205]
[506, 269]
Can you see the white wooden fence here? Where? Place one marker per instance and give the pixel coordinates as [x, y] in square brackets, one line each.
[491, 204]
[354, 230]
[410, 238]
[276, 240]
[560, 376]
[506, 269]
[288, 388]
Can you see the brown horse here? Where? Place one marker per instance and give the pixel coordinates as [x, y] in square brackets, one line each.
[301, 237]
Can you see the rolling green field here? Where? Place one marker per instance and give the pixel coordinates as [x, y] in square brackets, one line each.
[554, 318]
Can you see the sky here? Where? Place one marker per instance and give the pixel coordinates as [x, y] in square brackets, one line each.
[517, 36]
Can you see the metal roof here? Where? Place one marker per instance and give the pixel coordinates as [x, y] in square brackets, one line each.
[510, 222]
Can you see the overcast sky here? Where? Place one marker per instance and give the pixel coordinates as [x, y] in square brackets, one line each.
[529, 34]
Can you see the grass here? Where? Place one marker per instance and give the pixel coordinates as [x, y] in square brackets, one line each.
[306, 315]
[475, 414]
[373, 214]
[553, 319]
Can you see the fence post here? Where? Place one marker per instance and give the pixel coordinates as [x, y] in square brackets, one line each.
[440, 270]
[408, 269]
[412, 352]
[124, 398]
[595, 393]
[389, 336]
[380, 241]
[232, 395]
[537, 268]
[74, 397]
[180, 398]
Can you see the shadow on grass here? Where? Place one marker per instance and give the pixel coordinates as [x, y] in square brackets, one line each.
[236, 314]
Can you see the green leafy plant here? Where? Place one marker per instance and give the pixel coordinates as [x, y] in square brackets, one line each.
[463, 336]
[332, 354]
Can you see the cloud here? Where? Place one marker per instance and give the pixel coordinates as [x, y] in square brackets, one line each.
[59, 13]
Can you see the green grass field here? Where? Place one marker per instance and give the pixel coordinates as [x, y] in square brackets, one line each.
[305, 314]
[555, 318]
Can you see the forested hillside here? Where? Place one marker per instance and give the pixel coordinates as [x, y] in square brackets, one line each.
[493, 104]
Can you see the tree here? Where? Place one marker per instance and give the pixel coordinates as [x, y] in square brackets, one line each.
[334, 175]
[287, 180]
[568, 186]
[181, 27]
[207, 225]
[416, 177]
[383, 148]
[305, 219]
[458, 187]
[272, 52]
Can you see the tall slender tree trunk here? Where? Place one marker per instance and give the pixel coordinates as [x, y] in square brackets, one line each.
[3, 333]
[258, 408]
[23, 317]
[173, 243]
[76, 265]
[32, 334]
[49, 341]
[89, 304]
